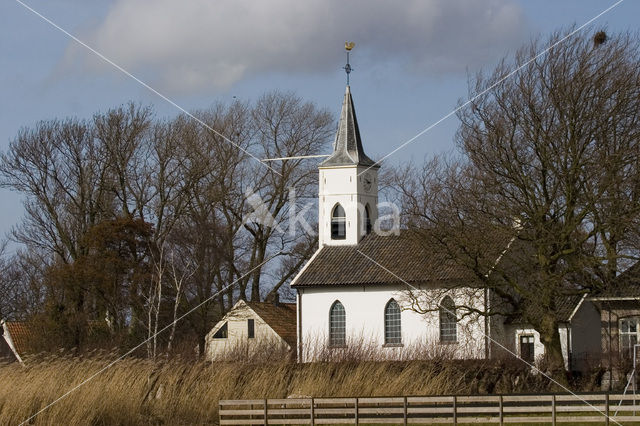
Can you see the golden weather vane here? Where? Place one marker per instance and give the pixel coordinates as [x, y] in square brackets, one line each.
[348, 45]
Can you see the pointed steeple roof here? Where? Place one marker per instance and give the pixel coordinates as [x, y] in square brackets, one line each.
[347, 147]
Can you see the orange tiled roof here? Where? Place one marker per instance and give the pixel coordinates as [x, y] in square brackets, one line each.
[281, 318]
[22, 334]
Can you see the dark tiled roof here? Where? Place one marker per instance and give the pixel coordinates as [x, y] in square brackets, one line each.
[627, 284]
[22, 335]
[281, 318]
[347, 147]
[565, 305]
[400, 254]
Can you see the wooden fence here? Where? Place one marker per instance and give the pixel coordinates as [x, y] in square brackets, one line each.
[498, 409]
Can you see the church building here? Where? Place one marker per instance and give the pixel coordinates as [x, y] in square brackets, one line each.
[357, 291]
[385, 296]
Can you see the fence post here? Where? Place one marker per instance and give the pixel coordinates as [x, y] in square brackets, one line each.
[553, 410]
[357, 409]
[606, 409]
[266, 414]
[405, 411]
[501, 412]
[313, 414]
[455, 410]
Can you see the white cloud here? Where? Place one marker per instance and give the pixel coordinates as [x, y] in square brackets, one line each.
[191, 45]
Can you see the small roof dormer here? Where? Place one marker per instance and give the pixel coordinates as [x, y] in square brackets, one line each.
[347, 147]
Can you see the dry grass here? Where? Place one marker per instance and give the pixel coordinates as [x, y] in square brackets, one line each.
[136, 391]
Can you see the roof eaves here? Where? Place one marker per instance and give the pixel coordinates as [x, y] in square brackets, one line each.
[575, 310]
[612, 298]
[304, 268]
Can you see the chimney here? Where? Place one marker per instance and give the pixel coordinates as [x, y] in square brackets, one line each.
[276, 299]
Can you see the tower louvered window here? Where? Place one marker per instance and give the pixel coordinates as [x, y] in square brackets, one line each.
[367, 219]
[338, 223]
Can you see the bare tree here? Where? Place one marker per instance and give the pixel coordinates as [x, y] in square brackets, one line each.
[58, 167]
[550, 169]
[181, 188]
[232, 186]
[285, 127]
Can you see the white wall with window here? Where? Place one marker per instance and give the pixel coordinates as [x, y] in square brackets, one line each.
[448, 320]
[580, 339]
[240, 328]
[378, 317]
[346, 187]
[392, 323]
[526, 344]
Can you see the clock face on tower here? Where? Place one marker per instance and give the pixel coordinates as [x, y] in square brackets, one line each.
[367, 181]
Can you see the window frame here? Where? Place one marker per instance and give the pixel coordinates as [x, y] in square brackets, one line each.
[222, 332]
[448, 313]
[626, 350]
[532, 344]
[392, 337]
[338, 223]
[337, 326]
[367, 220]
[251, 328]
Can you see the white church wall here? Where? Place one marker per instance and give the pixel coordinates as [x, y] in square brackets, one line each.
[364, 307]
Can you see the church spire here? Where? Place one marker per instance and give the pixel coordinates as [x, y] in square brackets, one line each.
[347, 147]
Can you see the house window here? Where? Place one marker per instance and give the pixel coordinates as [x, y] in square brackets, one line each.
[628, 335]
[222, 332]
[337, 325]
[448, 326]
[392, 323]
[251, 328]
[527, 349]
[338, 223]
[367, 219]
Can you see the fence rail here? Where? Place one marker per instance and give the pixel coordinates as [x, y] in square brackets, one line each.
[457, 410]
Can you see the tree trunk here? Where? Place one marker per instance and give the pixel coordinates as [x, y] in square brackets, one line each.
[554, 360]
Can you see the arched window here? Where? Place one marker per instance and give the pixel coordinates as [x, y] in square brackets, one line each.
[337, 324]
[392, 323]
[338, 223]
[448, 328]
[367, 219]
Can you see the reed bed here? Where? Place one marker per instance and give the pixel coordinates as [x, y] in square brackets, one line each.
[138, 391]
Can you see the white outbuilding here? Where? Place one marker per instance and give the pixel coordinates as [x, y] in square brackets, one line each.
[253, 326]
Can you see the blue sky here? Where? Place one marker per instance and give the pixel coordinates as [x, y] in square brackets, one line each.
[411, 60]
